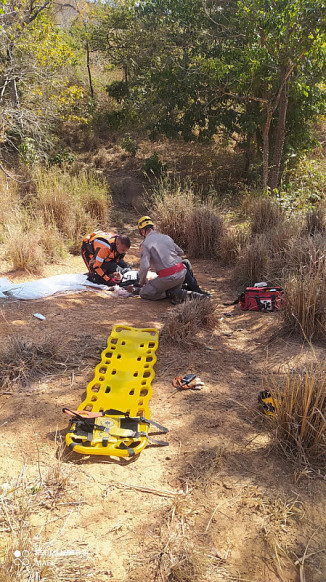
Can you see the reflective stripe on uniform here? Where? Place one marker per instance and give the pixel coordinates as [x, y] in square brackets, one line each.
[103, 249]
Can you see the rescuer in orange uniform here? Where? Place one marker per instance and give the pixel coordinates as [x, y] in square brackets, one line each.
[103, 253]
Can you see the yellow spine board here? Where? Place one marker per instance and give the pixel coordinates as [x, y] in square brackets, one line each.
[122, 381]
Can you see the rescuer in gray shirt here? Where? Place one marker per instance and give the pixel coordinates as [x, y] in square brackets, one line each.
[175, 278]
[160, 254]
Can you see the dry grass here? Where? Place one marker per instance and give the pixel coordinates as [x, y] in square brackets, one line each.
[299, 424]
[30, 242]
[277, 512]
[185, 567]
[284, 247]
[171, 210]
[91, 192]
[187, 319]
[84, 224]
[52, 242]
[203, 470]
[23, 245]
[196, 227]
[205, 231]
[281, 235]
[54, 199]
[278, 516]
[179, 558]
[53, 218]
[10, 201]
[305, 300]
[301, 251]
[25, 361]
[30, 552]
[59, 196]
[266, 214]
[253, 264]
[316, 221]
[233, 240]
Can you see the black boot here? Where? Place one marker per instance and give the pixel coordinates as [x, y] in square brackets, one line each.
[200, 291]
[190, 282]
[177, 296]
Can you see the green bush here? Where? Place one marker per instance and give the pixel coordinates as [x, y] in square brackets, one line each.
[154, 167]
[28, 151]
[305, 185]
[62, 157]
[117, 89]
[130, 145]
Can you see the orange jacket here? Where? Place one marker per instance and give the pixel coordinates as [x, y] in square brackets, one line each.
[103, 245]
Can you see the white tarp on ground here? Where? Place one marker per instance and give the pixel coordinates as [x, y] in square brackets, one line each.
[50, 286]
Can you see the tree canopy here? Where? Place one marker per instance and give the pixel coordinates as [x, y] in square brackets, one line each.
[36, 86]
[250, 68]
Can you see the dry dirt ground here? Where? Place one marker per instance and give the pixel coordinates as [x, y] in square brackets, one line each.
[218, 504]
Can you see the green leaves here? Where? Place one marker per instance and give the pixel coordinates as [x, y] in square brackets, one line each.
[195, 68]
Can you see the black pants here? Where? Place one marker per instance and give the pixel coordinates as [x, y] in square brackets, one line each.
[190, 282]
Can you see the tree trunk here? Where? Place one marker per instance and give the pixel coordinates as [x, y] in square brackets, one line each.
[12, 84]
[89, 71]
[14, 93]
[266, 128]
[125, 74]
[279, 137]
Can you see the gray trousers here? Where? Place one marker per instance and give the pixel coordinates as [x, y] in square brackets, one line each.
[156, 289]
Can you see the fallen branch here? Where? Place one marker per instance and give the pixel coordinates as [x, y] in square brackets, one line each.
[212, 517]
[145, 489]
[12, 177]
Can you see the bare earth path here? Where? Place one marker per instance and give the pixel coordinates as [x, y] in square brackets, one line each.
[217, 504]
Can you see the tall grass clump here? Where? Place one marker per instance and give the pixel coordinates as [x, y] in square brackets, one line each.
[205, 232]
[23, 240]
[299, 424]
[316, 220]
[52, 242]
[266, 252]
[84, 224]
[23, 361]
[90, 192]
[266, 214]
[195, 226]
[233, 241]
[54, 199]
[58, 211]
[253, 261]
[304, 310]
[172, 207]
[74, 204]
[260, 257]
[30, 243]
[302, 251]
[9, 201]
[188, 318]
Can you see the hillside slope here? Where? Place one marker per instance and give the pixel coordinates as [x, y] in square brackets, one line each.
[218, 504]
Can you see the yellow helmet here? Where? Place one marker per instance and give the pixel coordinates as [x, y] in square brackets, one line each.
[145, 221]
